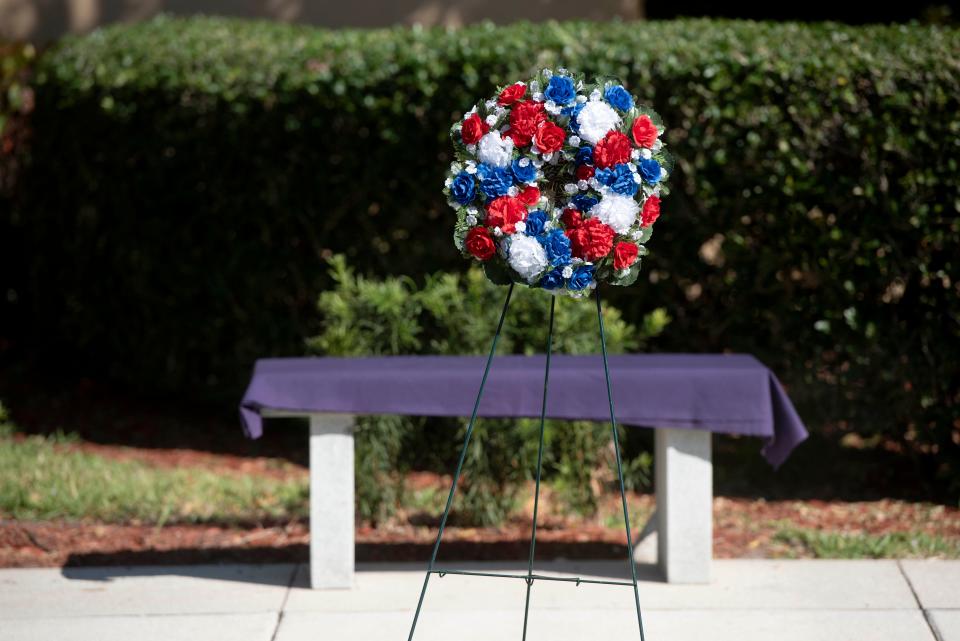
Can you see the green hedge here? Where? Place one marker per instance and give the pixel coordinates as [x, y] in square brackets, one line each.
[16, 104]
[187, 176]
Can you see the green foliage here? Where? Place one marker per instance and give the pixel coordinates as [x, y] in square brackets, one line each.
[44, 478]
[6, 428]
[454, 314]
[187, 175]
[16, 104]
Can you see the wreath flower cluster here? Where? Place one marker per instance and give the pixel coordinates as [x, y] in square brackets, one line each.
[557, 183]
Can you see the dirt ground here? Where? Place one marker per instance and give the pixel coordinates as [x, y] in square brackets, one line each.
[743, 527]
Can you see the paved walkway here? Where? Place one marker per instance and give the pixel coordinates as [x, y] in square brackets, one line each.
[749, 600]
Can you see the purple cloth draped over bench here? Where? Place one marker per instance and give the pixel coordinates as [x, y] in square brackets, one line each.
[728, 393]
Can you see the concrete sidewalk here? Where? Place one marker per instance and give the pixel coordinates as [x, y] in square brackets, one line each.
[749, 600]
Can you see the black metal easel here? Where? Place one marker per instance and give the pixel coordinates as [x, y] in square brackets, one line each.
[530, 577]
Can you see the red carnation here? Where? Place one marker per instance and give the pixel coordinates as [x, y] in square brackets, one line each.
[613, 149]
[585, 172]
[644, 132]
[473, 130]
[479, 243]
[505, 210]
[549, 138]
[525, 117]
[571, 218]
[592, 240]
[529, 195]
[519, 140]
[651, 211]
[512, 94]
[624, 255]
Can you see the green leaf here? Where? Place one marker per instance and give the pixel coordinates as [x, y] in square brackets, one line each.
[497, 272]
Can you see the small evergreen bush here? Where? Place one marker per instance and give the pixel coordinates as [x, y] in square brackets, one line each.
[454, 314]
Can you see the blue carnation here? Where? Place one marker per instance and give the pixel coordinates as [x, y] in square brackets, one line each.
[560, 90]
[619, 98]
[583, 202]
[581, 278]
[552, 279]
[535, 222]
[585, 155]
[557, 246]
[650, 170]
[523, 173]
[494, 181]
[573, 112]
[619, 178]
[463, 188]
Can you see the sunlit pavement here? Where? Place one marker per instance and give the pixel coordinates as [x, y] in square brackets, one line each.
[748, 600]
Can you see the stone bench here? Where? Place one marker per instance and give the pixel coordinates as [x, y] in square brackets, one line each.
[683, 397]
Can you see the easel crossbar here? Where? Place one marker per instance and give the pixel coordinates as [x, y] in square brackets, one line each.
[530, 578]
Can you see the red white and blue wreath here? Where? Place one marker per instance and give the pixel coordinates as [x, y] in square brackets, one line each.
[557, 183]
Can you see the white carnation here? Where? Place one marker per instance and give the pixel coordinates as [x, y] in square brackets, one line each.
[527, 257]
[595, 120]
[620, 212]
[495, 150]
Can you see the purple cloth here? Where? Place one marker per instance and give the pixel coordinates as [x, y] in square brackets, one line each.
[728, 393]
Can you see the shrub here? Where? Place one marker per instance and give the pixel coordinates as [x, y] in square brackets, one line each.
[187, 175]
[16, 104]
[453, 314]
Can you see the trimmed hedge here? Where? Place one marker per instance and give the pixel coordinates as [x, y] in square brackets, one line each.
[188, 175]
[16, 103]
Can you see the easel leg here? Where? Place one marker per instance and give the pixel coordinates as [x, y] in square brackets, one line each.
[616, 448]
[536, 496]
[463, 455]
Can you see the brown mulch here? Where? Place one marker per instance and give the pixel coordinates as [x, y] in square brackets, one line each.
[742, 528]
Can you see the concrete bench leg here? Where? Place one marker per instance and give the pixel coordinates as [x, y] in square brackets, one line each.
[331, 501]
[684, 486]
